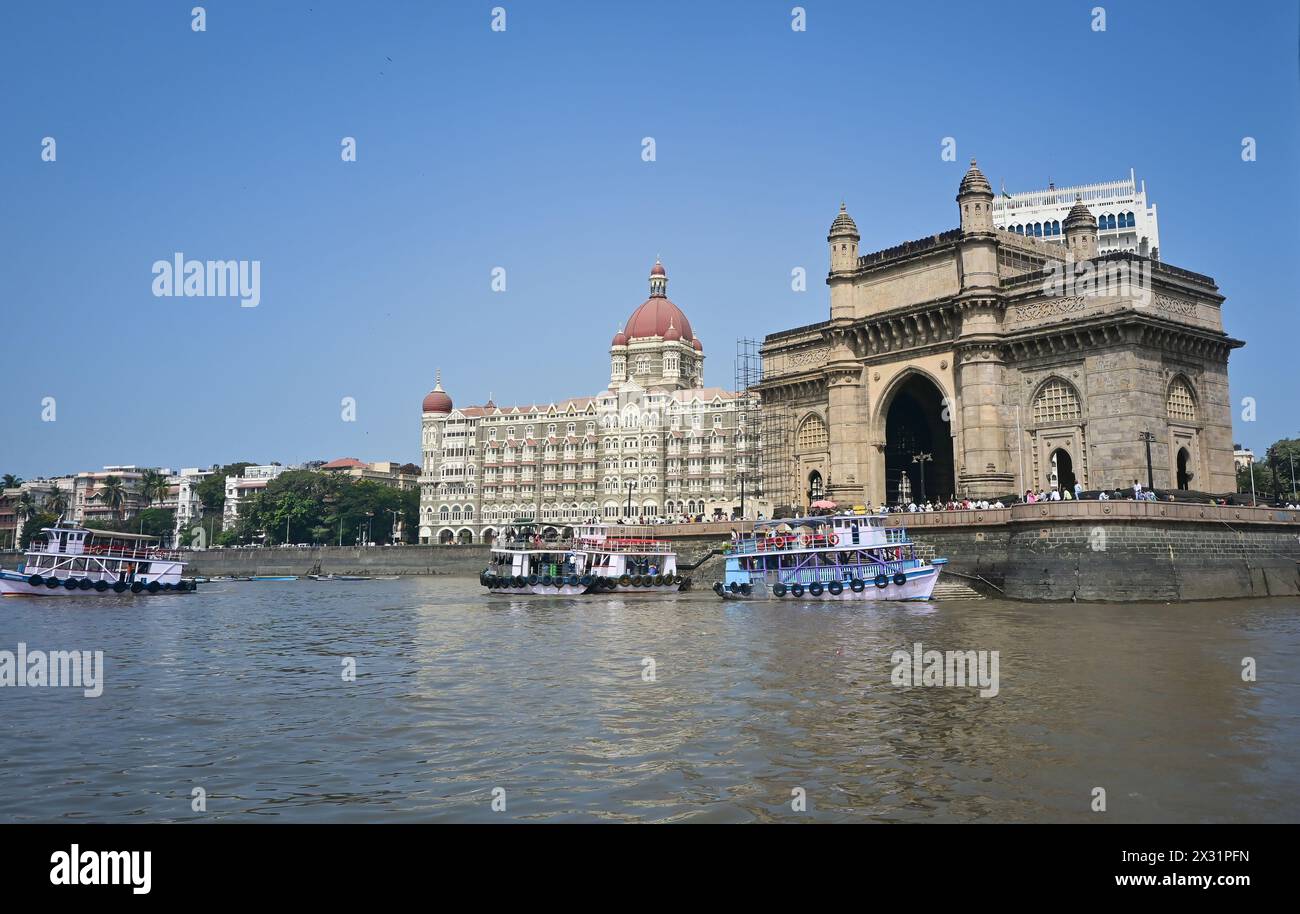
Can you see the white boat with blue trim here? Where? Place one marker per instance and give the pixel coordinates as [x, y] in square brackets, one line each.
[595, 559]
[77, 560]
[842, 557]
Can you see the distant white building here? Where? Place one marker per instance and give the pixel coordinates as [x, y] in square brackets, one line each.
[1242, 456]
[1125, 220]
[189, 509]
[240, 488]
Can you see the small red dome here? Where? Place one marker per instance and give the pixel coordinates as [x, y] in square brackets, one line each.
[620, 339]
[699, 347]
[658, 269]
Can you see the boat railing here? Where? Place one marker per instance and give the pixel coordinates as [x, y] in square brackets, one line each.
[133, 553]
[827, 573]
[894, 537]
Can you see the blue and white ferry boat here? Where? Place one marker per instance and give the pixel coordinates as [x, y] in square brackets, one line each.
[73, 559]
[839, 557]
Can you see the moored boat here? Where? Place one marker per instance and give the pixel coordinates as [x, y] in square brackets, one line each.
[841, 557]
[597, 559]
[74, 559]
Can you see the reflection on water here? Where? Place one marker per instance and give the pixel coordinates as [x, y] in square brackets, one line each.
[239, 690]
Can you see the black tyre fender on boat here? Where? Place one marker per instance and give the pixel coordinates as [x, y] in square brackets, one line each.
[585, 580]
[168, 587]
[677, 579]
[836, 588]
[899, 579]
[733, 587]
[745, 589]
[52, 583]
[778, 589]
[796, 589]
[36, 580]
[119, 587]
[815, 588]
[85, 584]
[70, 583]
[532, 580]
[881, 580]
[639, 581]
[857, 585]
[546, 580]
[625, 580]
[717, 587]
[136, 587]
[153, 587]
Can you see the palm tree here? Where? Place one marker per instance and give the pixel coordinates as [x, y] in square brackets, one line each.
[57, 502]
[154, 486]
[113, 493]
[10, 481]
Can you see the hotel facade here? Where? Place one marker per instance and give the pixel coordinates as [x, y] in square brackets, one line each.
[654, 444]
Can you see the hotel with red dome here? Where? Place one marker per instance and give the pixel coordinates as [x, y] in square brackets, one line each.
[654, 444]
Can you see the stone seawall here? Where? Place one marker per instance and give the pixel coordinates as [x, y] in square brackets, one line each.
[459, 560]
[1120, 562]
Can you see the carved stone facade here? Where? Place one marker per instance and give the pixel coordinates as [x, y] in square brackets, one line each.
[983, 362]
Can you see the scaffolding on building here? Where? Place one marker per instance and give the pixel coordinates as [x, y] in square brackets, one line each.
[767, 445]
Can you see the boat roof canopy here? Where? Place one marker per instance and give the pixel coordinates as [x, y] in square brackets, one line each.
[114, 534]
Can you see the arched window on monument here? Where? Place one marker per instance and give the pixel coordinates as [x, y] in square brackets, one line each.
[813, 435]
[1057, 402]
[1181, 403]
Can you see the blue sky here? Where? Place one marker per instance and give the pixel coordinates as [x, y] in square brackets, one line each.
[522, 149]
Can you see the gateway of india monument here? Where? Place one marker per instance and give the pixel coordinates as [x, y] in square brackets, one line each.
[983, 361]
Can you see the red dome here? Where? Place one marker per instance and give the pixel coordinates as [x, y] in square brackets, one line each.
[699, 347]
[436, 400]
[654, 317]
[658, 269]
[620, 339]
[673, 333]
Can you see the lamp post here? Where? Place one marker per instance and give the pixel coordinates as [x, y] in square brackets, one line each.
[1148, 437]
[921, 460]
[742, 495]
[627, 512]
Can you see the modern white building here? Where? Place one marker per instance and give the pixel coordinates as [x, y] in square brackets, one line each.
[1242, 456]
[1125, 220]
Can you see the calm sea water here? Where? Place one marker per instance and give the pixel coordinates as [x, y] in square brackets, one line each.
[238, 690]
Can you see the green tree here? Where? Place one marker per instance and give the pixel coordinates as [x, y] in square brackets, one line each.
[212, 490]
[57, 502]
[157, 522]
[1283, 460]
[113, 493]
[32, 527]
[154, 486]
[10, 481]
[1263, 480]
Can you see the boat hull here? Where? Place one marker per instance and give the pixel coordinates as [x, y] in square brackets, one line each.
[918, 586]
[577, 590]
[14, 585]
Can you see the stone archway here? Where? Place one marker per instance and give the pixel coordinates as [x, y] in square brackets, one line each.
[1062, 471]
[914, 424]
[1185, 474]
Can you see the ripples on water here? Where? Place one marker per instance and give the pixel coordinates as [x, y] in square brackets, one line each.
[238, 690]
